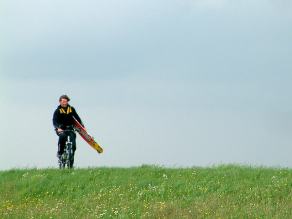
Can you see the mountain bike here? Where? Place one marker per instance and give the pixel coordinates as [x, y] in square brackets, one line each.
[67, 158]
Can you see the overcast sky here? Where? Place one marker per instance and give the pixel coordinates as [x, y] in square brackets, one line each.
[175, 83]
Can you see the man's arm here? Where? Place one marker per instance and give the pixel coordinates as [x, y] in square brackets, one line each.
[76, 116]
[55, 120]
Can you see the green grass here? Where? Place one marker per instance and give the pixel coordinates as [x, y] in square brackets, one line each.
[226, 191]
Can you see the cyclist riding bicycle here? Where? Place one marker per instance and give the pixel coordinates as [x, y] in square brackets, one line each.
[63, 120]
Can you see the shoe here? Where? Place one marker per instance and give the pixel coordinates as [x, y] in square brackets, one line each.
[59, 156]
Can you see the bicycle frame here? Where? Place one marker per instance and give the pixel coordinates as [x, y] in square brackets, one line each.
[66, 160]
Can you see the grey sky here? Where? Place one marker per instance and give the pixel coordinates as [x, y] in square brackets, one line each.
[179, 83]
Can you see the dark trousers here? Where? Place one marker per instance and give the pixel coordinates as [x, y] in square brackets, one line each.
[62, 141]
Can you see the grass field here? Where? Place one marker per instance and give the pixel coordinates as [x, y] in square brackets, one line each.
[226, 191]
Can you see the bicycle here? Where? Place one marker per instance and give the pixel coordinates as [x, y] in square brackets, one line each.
[67, 158]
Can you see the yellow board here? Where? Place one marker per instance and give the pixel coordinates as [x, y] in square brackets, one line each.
[88, 138]
[97, 147]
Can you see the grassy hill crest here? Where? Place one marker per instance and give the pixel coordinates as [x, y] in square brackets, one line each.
[225, 191]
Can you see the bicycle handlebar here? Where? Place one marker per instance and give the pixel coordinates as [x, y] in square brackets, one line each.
[68, 130]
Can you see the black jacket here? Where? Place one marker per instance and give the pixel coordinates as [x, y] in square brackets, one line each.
[63, 117]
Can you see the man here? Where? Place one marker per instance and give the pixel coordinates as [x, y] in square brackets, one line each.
[63, 120]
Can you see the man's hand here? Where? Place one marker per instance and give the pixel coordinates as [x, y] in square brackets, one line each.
[59, 130]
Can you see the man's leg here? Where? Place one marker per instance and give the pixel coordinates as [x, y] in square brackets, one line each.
[61, 143]
[73, 139]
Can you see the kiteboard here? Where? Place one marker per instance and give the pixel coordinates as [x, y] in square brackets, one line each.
[86, 136]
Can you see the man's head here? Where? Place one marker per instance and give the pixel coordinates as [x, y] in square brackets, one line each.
[63, 100]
